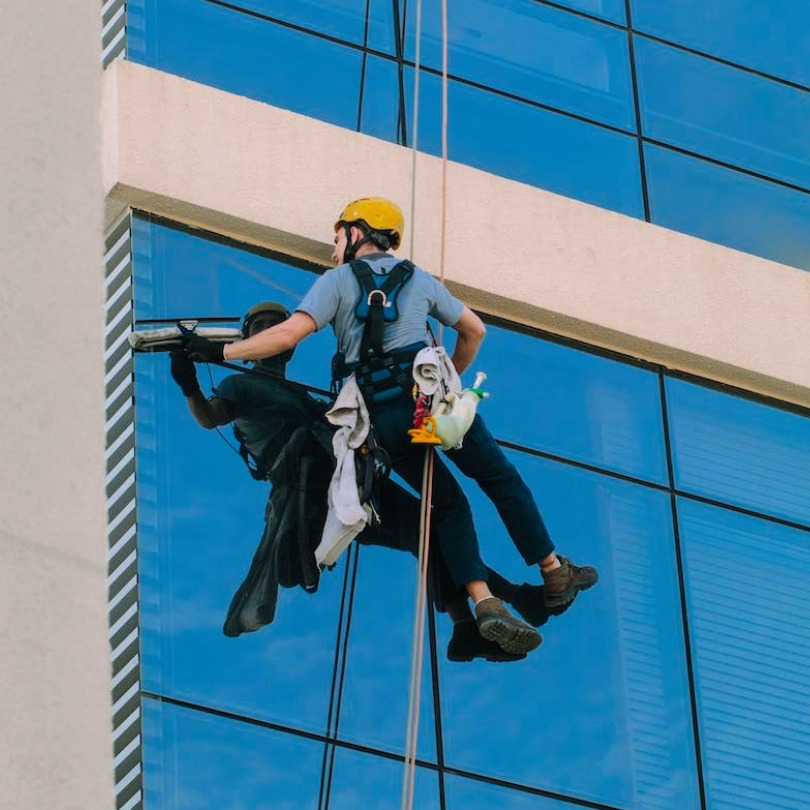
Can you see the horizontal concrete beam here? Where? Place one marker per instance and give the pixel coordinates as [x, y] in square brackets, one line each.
[273, 178]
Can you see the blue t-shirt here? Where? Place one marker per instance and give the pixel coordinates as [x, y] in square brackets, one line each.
[334, 296]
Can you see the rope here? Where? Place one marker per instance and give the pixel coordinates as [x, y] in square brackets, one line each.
[412, 730]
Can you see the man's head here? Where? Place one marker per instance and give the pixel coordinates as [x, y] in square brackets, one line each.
[371, 221]
[264, 316]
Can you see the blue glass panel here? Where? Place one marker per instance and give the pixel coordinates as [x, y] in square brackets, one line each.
[747, 582]
[724, 113]
[518, 141]
[609, 684]
[342, 19]
[193, 760]
[533, 51]
[770, 35]
[179, 275]
[740, 452]
[363, 780]
[251, 57]
[200, 517]
[381, 28]
[612, 10]
[728, 207]
[571, 403]
[374, 709]
[463, 793]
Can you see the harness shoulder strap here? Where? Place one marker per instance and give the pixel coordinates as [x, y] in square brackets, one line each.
[255, 468]
[378, 304]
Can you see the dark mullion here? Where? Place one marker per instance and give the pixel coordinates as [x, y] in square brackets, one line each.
[363, 64]
[355, 548]
[682, 593]
[365, 749]
[323, 787]
[732, 166]
[434, 671]
[399, 45]
[720, 60]
[637, 107]
[581, 465]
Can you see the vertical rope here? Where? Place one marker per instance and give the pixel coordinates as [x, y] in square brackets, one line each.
[415, 136]
[412, 731]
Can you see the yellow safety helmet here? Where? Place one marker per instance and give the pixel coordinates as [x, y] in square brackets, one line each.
[378, 214]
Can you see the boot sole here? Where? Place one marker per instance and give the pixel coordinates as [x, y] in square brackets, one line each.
[517, 639]
[567, 596]
[491, 658]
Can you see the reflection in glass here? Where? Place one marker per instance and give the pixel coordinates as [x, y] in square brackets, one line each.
[609, 683]
[342, 19]
[366, 781]
[612, 10]
[526, 49]
[770, 35]
[740, 452]
[181, 275]
[728, 207]
[200, 518]
[252, 57]
[724, 113]
[746, 584]
[374, 710]
[464, 793]
[201, 515]
[195, 760]
[513, 140]
[568, 402]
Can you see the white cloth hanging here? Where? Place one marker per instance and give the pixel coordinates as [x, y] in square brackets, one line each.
[346, 517]
[434, 373]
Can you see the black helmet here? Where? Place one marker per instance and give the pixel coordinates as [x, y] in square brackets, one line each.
[264, 306]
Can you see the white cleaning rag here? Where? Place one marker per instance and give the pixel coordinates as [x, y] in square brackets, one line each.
[346, 517]
[434, 373]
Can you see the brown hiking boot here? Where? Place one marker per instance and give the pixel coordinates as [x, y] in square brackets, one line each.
[496, 623]
[467, 643]
[564, 583]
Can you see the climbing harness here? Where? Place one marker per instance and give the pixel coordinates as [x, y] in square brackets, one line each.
[380, 375]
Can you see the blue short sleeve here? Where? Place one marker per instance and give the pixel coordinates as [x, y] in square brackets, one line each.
[322, 301]
[446, 308]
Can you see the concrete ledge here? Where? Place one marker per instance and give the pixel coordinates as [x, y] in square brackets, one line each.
[273, 178]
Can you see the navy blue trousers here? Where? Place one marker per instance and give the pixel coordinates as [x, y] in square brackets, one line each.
[481, 459]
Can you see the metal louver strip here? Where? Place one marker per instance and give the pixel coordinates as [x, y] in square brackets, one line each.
[113, 31]
[122, 559]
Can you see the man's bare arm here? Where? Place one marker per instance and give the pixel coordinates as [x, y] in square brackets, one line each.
[471, 332]
[209, 413]
[272, 341]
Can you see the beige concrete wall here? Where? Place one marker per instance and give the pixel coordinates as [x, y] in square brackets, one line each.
[236, 166]
[55, 747]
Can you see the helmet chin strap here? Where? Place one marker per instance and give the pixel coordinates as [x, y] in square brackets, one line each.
[350, 253]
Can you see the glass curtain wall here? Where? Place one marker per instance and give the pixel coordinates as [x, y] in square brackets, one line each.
[678, 681]
[691, 115]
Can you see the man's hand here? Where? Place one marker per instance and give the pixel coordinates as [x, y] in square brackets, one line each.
[184, 374]
[202, 350]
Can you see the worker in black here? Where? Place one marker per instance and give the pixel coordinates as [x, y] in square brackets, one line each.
[282, 430]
